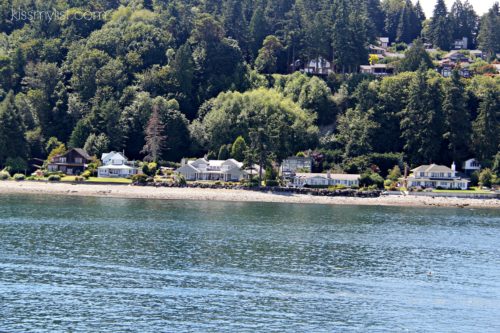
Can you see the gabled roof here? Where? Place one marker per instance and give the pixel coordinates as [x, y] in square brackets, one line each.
[433, 168]
[81, 152]
[113, 155]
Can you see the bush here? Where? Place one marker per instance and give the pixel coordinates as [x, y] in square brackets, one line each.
[272, 183]
[4, 175]
[86, 174]
[140, 179]
[54, 178]
[486, 178]
[79, 179]
[19, 177]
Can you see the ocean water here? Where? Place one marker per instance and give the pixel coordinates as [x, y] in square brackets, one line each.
[71, 264]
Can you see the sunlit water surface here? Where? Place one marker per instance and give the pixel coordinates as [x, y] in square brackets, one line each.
[116, 265]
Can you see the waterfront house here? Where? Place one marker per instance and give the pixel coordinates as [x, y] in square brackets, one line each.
[295, 163]
[116, 165]
[215, 170]
[470, 166]
[73, 162]
[437, 176]
[324, 180]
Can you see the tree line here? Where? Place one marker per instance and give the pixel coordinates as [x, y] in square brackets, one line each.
[202, 73]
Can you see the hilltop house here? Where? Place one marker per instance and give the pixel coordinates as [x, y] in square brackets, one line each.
[319, 66]
[73, 162]
[324, 179]
[377, 69]
[293, 164]
[437, 176]
[216, 170]
[383, 42]
[461, 44]
[470, 166]
[115, 165]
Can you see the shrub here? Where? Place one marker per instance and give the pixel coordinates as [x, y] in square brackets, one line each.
[19, 177]
[140, 179]
[54, 178]
[272, 183]
[4, 175]
[79, 179]
[86, 174]
[486, 178]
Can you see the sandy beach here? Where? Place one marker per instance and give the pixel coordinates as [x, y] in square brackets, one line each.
[136, 192]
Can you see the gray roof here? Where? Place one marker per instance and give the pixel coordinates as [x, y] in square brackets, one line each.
[82, 152]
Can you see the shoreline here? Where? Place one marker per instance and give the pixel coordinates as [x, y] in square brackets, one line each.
[229, 195]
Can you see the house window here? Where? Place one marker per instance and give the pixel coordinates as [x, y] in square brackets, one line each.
[62, 159]
[78, 160]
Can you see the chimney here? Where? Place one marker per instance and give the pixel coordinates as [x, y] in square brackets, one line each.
[454, 169]
[329, 174]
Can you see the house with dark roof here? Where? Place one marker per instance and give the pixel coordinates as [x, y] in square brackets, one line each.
[73, 162]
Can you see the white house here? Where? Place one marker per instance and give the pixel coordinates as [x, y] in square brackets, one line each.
[470, 166]
[383, 42]
[319, 66]
[115, 165]
[377, 69]
[216, 170]
[325, 179]
[434, 176]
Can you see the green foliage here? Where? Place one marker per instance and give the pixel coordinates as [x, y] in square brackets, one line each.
[394, 174]
[16, 164]
[96, 145]
[224, 152]
[266, 119]
[54, 178]
[139, 179]
[369, 179]
[19, 177]
[486, 178]
[415, 57]
[238, 149]
[4, 175]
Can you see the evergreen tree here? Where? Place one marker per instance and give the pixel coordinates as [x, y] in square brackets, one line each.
[464, 22]
[486, 127]
[96, 145]
[421, 122]
[12, 140]
[267, 60]
[415, 57]
[155, 138]
[489, 38]
[238, 149]
[409, 26]
[440, 27]
[258, 29]
[224, 152]
[377, 16]
[457, 119]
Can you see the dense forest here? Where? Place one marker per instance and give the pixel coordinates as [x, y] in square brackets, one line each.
[104, 74]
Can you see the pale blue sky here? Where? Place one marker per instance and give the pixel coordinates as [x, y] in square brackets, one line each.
[481, 6]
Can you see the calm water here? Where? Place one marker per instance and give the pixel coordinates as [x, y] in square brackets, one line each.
[94, 264]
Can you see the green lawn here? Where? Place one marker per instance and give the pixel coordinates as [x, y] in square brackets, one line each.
[109, 180]
[99, 180]
[471, 191]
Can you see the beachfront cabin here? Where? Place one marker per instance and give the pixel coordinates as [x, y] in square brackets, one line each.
[470, 166]
[73, 162]
[215, 170]
[116, 165]
[295, 164]
[437, 176]
[324, 180]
